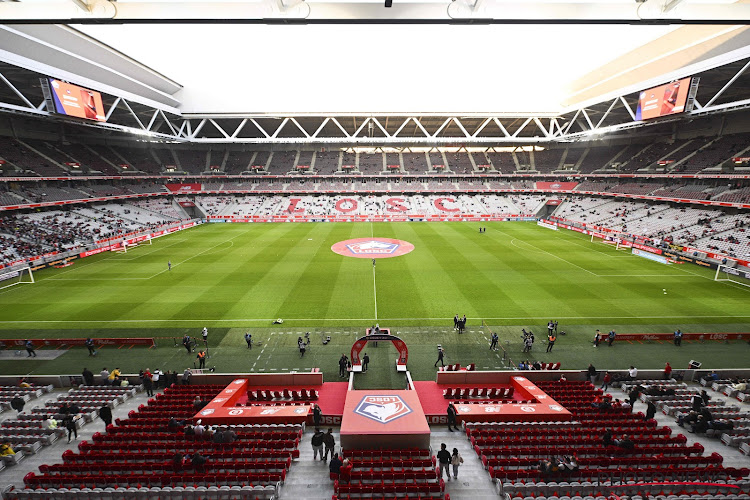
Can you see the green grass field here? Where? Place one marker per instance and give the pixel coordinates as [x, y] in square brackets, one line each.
[237, 277]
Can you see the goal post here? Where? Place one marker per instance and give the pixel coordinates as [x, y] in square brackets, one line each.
[16, 277]
[730, 274]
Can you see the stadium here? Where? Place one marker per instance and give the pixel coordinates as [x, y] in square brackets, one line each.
[226, 225]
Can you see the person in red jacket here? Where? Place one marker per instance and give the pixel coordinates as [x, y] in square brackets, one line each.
[606, 381]
[667, 371]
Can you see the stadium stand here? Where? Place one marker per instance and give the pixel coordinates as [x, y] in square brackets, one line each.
[370, 163]
[238, 162]
[137, 159]
[547, 160]
[515, 454]
[327, 162]
[282, 162]
[246, 461]
[415, 163]
[714, 153]
[460, 162]
[194, 162]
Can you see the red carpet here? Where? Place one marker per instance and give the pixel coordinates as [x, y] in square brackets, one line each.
[331, 398]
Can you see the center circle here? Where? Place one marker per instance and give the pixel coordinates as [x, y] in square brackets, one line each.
[372, 248]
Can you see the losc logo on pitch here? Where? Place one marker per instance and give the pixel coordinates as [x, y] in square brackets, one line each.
[372, 247]
[383, 409]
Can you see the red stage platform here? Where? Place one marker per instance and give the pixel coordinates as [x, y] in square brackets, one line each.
[383, 419]
[540, 408]
[224, 409]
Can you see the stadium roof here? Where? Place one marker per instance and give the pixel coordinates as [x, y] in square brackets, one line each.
[353, 59]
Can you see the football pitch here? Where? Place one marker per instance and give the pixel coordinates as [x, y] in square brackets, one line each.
[233, 278]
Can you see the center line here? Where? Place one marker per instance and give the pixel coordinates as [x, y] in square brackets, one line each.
[374, 288]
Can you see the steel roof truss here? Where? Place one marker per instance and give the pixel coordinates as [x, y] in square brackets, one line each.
[502, 128]
[523, 125]
[728, 84]
[112, 108]
[220, 129]
[16, 91]
[606, 113]
[262, 130]
[125, 102]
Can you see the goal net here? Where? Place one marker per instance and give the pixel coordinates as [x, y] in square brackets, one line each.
[16, 277]
[125, 245]
[726, 273]
[611, 240]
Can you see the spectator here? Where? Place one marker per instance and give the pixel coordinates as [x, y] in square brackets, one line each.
[667, 371]
[317, 444]
[456, 461]
[104, 374]
[330, 444]
[70, 424]
[633, 372]
[625, 443]
[199, 460]
[17, 403]
[592, 373]
[606, 380]
[607, 438]
[88, 376]
[105, 413]
[199, 428]
[6, 449]
[335, 465]
[444, 458]
[345, 471]
[317, 415]
[651, 410]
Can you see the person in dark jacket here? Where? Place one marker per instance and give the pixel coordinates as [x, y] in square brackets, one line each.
[70, 424]
[17, 403]
[651, 411]
[452, 413]
[105, 413]
[330, 444]
[88, 376]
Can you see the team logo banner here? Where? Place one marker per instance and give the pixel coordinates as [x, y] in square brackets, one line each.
[372, 248]
[383, 409]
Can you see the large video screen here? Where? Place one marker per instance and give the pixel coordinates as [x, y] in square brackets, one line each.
[72, 100]
[664, 100]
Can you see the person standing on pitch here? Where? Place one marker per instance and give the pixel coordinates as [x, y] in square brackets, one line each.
[205, 336]
[169, 265]
[201, 359]
[373, 262]
[90, 346]
[611, 337]
[365, 362]
[441, 355]
[249, 340]
[678, 337]
[493, 343]
[455, 322]
[551, 341]
[452, 413]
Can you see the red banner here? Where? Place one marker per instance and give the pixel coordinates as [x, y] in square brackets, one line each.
[687, 336]
[79, 342]
[192, 187]
[556, 186]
